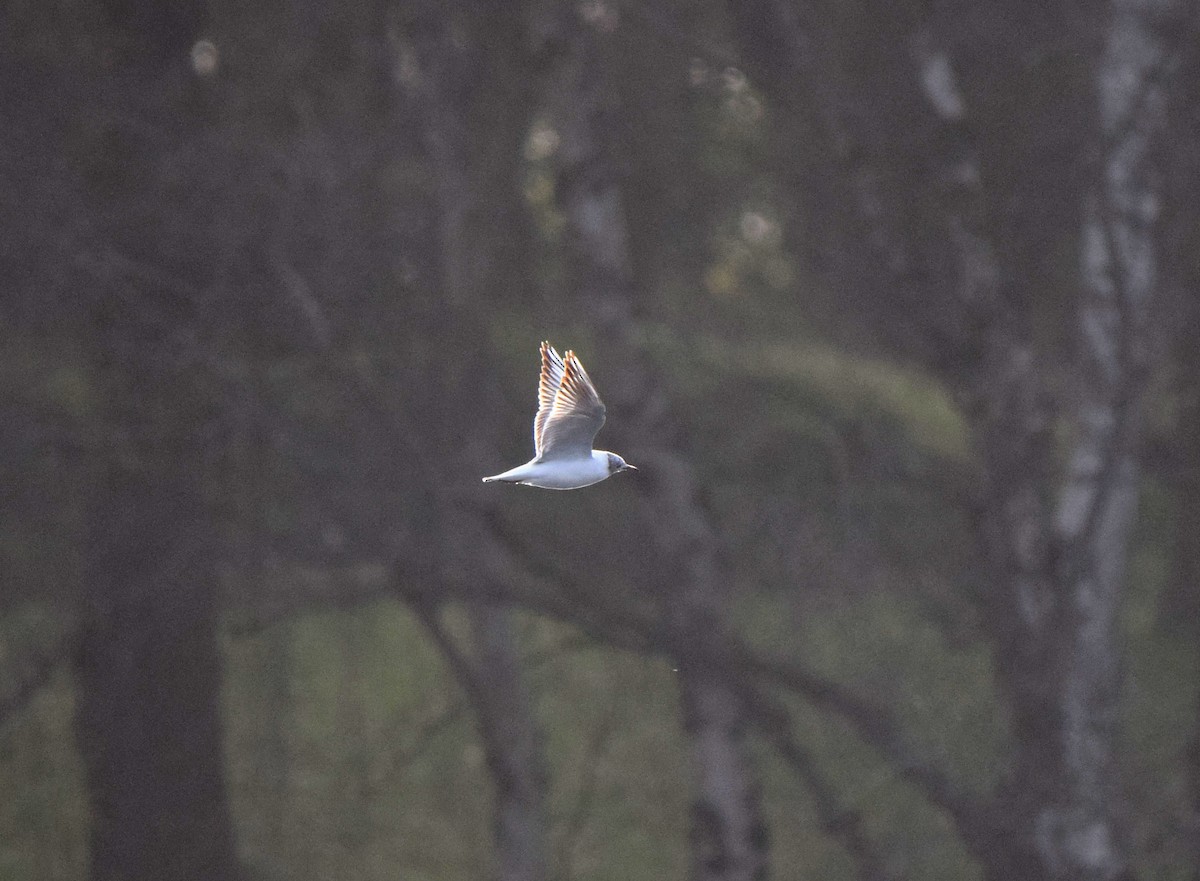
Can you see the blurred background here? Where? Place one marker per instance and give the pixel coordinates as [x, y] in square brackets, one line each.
[892, 303]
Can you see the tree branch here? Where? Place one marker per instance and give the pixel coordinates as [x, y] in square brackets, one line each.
[732, 661]
[839, 822]
[577, 819]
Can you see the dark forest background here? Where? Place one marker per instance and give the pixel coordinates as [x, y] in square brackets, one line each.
[893, 303]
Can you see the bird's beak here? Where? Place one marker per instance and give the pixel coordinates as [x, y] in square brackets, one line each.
[628, 467]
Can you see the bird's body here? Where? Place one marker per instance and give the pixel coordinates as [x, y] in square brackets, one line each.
[570, 413]
[560, 474]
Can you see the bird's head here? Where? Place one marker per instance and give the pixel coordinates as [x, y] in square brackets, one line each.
[617, 464]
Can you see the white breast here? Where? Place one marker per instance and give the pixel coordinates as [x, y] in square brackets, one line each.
[565, 473]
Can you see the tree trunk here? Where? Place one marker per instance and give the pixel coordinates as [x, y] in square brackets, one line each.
[1066, 565]
[1179, 611]
[464, 73]
[513, 745]
[148, 666]
[1055, 542]
[728, 831]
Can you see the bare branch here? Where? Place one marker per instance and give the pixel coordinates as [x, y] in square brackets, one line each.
[460, 663]
[397, 761]
[839, 822]
[577, 819]
[301, 293]
[874, 723]
[732, 661]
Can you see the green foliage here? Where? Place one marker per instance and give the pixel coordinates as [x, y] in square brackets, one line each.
[367, 761]
[44, 814]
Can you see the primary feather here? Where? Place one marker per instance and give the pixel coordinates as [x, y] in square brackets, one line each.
[549, 380]
[576, 416]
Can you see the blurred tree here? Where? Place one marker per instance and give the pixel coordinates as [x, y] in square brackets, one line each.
[147, 663]
[1178, 451]
[468, 68]
[728, 831]
[944, 212]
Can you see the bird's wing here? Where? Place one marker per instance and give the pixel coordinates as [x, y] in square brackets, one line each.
[549, 380]
[576, 416]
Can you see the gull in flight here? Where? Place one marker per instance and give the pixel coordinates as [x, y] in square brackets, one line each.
[568, 417]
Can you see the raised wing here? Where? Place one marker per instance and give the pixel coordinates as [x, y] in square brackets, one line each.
[549, 380]
[575, 418]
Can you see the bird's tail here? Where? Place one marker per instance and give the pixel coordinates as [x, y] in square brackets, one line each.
[502, 478]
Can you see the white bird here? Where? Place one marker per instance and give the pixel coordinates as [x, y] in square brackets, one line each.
[569, 415]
